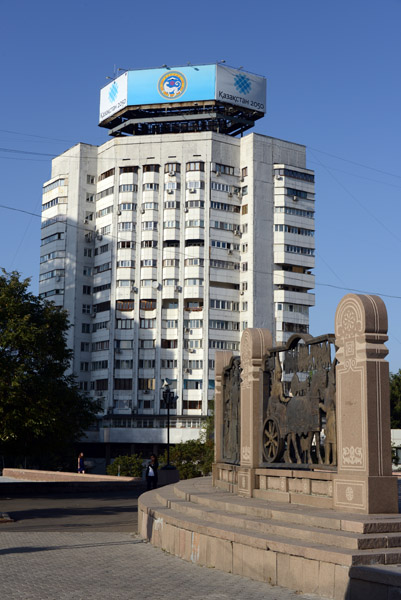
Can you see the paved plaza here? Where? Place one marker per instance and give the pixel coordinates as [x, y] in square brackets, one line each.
[112, 565]
[84, 546]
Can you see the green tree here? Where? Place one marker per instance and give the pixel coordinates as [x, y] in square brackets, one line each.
[194, 458]
[129, 466]
[41, 409]
[395, 399]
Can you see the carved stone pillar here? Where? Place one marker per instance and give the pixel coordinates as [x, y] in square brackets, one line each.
[254, 345]
[222, 360]
[363, 483]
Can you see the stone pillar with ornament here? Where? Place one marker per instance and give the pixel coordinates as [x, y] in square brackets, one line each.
[254, 345]
[222, 361]
[363, 483]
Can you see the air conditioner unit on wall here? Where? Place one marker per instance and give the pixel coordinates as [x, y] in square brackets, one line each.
[170, 191]
[192, 190]
[171, 173]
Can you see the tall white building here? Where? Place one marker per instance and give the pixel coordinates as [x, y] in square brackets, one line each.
[169, 240]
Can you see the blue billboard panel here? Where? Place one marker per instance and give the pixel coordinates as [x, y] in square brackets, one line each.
[186, 84]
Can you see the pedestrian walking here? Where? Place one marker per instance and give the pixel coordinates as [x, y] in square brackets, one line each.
[81, 463]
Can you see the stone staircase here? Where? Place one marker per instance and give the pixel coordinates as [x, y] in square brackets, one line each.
[302, 548]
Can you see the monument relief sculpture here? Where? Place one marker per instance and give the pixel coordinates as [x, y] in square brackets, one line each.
[301, 402]
[231, 411]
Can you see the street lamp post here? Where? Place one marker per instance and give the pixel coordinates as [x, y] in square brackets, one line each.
[168, 397]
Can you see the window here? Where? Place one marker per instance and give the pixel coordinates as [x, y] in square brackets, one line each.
[86, 328]
[221, 187]
[104, 211]
[224, 325]
[90, 179]
[105, 230]
[170, 281]
[88, 252]
[169, 343]
[224, 245]
[125, 323]
[84, 366]
[225, 206]
[192, 404]
[126, 226]
[224, 169]
[147, 344]
[196, 166]
[172, 168]
[52, 220]
[147, 323]
[170, 303]
[123, 364]
[223, 264]
[128, 187]
[245, 306]
[55, 184]
[300, 250]
[244, 209]
[149, 262]
[150, 205]
[171, 244]
[52, 238]
[148, 244]
[100, 325]
[101, 384]
[244, 266]
[52, 255]
[51, 203]
[128, 169]
[151, 168]
[125, 282]
[224, 305]
[101, 306]
[102, 268]
[195, 204]
[199, 262]
[244, 286]
[105, 193]
[86, 309]
[147, 304]
[125, 305]
[97, 365]
[171, 224]
[98, 346]
[193, 323]
[86, 289]
[193, 344]
[149, 225]
[146, 384]
[288, 210]
[296, 230]
[126, 263]
[192, 384]
[101, 249]
[295, 175]
[122, 384]
[171, 204]
[170, 323]
[172, 185]
[90, 197]
[106, 174]
[244, 172]
[101, 288]
[297, 193]
[223, 345]
[123, 344]
[199, 243]
[146, 364]
[124, 244]
[195, 185]
[150, 187]
[195, 223]
[168, 363]
[85, 347]
[171, 262]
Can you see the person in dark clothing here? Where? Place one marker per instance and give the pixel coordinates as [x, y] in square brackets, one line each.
[81, 463]
[151, 473]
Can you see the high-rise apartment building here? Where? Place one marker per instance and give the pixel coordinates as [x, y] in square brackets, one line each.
[170, 239]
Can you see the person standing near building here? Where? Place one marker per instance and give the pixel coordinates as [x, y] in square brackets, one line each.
[81, 463]
[151, 473]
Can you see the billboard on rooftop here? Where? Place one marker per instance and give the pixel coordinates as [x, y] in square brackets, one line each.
[185, 84]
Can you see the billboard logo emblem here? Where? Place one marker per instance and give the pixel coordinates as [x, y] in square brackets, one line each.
[172, 85]
[113, 91]
[242, 84]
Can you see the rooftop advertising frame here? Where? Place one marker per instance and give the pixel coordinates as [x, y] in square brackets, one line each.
[184, 84]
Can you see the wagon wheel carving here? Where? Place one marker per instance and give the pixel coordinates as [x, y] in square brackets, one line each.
[273, 444]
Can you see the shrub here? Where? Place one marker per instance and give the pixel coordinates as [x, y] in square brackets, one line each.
[130, 466]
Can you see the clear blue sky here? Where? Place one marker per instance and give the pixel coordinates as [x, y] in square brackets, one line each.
[333, 72]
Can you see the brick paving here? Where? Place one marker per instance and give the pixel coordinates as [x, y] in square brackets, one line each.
[48, 565]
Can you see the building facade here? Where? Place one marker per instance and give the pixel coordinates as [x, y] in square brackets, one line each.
[163, 247]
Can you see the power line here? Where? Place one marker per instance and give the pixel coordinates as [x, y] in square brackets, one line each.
[183, 254]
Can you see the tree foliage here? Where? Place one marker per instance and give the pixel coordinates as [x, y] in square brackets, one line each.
[128, 466]
[395, 399]
[41, 408]
[194, 458]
